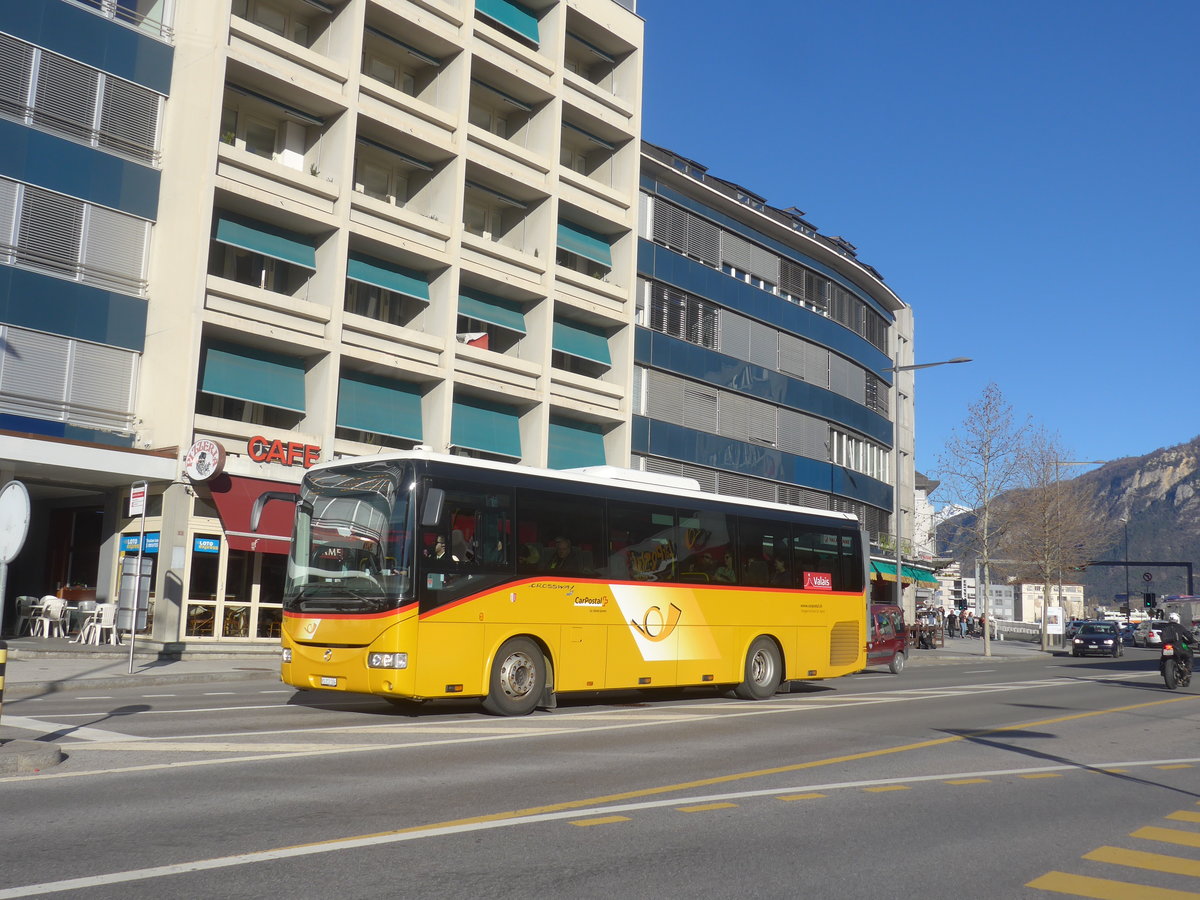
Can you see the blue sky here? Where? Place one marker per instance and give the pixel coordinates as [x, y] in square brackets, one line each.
[1023, 174]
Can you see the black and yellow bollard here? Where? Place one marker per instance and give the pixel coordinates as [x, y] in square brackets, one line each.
[3, 663]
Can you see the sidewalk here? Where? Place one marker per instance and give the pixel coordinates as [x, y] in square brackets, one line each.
[46, 666]
[971, 649]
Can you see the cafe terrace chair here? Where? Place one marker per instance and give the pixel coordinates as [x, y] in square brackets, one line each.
[25, 607]
[101, 623]
[52, 620]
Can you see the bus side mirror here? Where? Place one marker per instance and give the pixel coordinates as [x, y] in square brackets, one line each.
[263, 499]
[431, 511]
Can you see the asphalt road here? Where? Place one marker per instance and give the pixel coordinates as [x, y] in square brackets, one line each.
[995, 778]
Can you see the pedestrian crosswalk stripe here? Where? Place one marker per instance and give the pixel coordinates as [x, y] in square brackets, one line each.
[1105, 889]
[970, 781]
[1042, 775]
[1158, 862]
[810, 796]
[887, 787]
[705, 807]
[1185, 815]
[1168, 836]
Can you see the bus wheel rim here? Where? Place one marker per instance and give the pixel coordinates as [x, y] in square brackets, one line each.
[761, 668]
[517, 675]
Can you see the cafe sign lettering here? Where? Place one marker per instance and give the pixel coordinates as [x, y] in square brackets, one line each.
[285, 453]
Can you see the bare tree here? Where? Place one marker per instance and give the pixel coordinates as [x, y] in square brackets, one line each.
[980, 462]
[1054, 526]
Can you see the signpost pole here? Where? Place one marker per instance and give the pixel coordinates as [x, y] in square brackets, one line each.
[137, 503]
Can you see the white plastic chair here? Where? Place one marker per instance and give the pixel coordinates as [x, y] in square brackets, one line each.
[51, 621]
[25, 607]
[103, 619]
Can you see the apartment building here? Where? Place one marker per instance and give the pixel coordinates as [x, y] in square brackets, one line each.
[382, 223]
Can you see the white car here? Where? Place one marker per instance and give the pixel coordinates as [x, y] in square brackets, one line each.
[1149, 633]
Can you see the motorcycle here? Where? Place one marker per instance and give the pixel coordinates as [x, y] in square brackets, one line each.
[1176, 668]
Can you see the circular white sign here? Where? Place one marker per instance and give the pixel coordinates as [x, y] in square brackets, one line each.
[14, 520]
[205, 459]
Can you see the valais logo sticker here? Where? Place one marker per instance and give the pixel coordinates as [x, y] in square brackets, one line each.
[818, 581]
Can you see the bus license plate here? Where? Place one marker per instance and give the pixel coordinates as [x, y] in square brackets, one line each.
[328, 681]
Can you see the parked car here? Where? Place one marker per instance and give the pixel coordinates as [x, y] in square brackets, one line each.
[1149, 633]
[887, 643]
[1073, 627]
[1103, 638]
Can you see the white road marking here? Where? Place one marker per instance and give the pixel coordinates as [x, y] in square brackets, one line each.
[402, 836]
[82, 732]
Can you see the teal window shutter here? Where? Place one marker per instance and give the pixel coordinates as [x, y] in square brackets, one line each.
[379, 405]
[482, 425]
[493, 310]
[583, 242]
[259, 237]
[580, 340]
[388, 276]
[574, 444]
[254, 375]
[512, 16]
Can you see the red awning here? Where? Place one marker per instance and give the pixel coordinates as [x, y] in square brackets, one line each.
[256, 514]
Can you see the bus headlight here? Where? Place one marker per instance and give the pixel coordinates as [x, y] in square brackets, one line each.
[287, 654]
[387, 660]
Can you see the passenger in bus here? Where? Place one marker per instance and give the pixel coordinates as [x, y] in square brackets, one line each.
[725, 573]
[780, 577]
[565, 558]
[530, 555]
[439, 553]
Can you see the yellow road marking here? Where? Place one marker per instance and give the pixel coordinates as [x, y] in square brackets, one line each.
[1176, 766]
[705, 807]
[812, 796]
[970, 781]
[601, 820]
[1185, 815]
[1103, 889]
[1042, 775]
[1168, 836]
[887, 787]
[1159, 862]
[741, 776]
[1113, 771]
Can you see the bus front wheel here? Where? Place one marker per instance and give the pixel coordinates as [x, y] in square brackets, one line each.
[763, 673]
[518, 679]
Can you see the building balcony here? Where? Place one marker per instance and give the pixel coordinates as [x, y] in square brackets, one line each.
[496, 372]
[276, 178]
[598, 102]
[393, 107]
[508, 159]
[591, 395]
[597, 198]
[379, 342]
[249, 308]
[292, 62]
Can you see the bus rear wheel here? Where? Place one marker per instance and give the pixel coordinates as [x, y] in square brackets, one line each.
[763, 673]
[518, 679]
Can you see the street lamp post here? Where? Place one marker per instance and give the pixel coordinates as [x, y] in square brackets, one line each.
[896, 369]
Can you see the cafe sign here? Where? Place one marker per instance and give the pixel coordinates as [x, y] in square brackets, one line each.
[285, 453]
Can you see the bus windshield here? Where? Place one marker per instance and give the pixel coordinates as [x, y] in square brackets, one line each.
[353, 548]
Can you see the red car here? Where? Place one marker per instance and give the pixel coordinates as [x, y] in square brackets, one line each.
[886, 641]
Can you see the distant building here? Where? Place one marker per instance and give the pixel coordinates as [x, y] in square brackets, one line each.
[1029, 600]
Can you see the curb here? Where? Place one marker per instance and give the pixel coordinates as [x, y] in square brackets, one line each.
[28, 757]
[32, 688]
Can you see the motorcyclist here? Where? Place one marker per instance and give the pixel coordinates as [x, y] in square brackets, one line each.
[1181, 638]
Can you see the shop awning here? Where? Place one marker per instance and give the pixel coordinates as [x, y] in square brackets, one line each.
[582, 341]
[886, 571]
[386, 275]
[512, 16]
[493, 310]
[482, 425]
[256, 514]
[269, 240]
[379, 405]
[584, 242]
[253, 375]
[575, 444]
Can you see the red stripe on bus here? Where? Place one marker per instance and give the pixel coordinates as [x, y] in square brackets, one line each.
[408, 607]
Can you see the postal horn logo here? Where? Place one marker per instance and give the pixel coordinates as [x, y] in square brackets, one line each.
[654, 626]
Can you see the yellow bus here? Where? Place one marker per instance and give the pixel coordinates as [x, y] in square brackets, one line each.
[418, 576]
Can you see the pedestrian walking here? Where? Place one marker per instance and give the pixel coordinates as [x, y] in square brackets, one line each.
[952, 624]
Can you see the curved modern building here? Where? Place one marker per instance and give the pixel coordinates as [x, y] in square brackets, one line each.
[763, 355]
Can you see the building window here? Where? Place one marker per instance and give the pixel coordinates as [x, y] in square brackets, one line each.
[288, 20]
[374, 302]
[257, 270]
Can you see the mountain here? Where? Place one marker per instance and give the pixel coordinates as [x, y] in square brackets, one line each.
[1159, 494]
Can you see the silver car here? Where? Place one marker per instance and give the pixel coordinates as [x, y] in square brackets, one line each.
[1149, 633]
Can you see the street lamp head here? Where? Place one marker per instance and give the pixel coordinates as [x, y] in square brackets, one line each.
[944, 362]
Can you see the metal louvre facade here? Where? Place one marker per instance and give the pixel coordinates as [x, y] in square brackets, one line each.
[769, 359]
